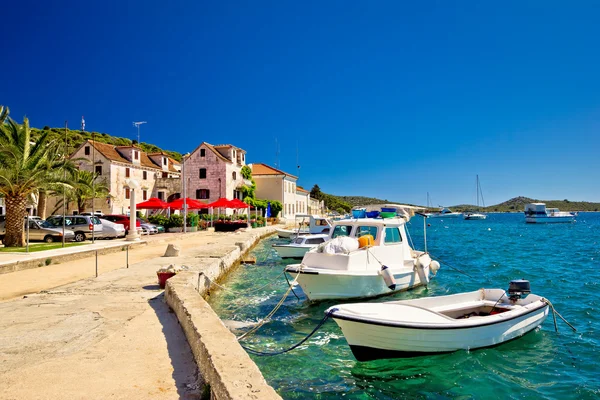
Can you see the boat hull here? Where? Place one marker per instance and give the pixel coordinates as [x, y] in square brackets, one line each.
[290, 233]
[323, 284]
[446, 215]
[370, 341]
[475, 217]
[549, 219]
[288, 251]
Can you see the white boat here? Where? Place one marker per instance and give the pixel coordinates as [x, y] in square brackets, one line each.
[472, 215]
[444, 213]
[536, 213]
[307, 225]
[431, 325]
[300, 245]
[340, 268]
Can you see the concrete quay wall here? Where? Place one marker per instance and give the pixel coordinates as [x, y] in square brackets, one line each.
[222, 362]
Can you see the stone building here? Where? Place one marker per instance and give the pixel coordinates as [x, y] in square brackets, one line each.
[157, 174]
[211, 172]
[275, 184]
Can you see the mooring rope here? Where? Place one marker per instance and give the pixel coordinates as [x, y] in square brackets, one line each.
[449, 265]
[275, 353]
[269, 315]
[554, 314]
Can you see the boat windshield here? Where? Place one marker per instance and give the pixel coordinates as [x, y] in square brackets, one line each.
[341, 230]
[298, 240]
[366, 230]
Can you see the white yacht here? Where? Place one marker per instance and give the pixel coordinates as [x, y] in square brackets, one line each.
[307, 225]
[536, 213]
[444, 213]
[474, 215]
[364, 257]
[300, 245]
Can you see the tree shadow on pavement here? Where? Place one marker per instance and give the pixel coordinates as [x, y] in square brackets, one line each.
[185, 370]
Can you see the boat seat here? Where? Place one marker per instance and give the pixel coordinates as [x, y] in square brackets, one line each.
[462, 306]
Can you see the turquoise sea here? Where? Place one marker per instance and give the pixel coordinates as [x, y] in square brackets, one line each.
[562, 261]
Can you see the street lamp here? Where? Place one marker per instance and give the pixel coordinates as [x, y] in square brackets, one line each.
[184, 192]
[133, 235]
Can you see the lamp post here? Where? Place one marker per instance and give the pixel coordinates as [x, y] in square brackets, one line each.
[133, 235]
[184, 192]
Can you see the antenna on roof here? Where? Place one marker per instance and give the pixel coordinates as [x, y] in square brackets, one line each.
[276, 154]
[137, 124]
[297, 163]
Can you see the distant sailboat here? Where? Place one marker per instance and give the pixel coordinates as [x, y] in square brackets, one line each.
[477, 215]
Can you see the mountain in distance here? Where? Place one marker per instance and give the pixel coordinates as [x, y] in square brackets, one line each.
[517, 204]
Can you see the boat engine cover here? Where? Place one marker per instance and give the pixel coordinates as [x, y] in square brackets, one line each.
[519, 287]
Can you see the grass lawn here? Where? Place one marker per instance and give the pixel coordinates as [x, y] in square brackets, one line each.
[38, 247]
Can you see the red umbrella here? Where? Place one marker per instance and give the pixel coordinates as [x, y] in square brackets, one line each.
[153, 203]
[237, 203]
[222, 203]
[191, 204]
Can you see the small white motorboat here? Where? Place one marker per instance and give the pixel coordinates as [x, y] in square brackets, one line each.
[300, 245]
[431, 325]
[536, 213]
[307, 225]
[364, 257]
[444, 213]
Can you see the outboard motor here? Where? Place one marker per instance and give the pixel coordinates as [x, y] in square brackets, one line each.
[517, 289]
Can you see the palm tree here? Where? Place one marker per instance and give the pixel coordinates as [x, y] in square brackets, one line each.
[24, 168]
[84, 187]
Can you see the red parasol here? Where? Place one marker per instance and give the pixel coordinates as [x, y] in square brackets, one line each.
[222, 203]
[237, 203]
[191, 204]
[153, 203]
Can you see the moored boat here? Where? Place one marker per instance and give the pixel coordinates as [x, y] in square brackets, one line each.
[441, 324]
[444, 213]
[364, 257]
[474, 215]
[536, 213]
[307, 225]
[300, 245]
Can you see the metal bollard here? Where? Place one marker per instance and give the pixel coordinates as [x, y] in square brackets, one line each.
[96, 263]
[127, 252]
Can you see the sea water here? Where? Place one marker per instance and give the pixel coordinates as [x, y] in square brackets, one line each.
[562, 262]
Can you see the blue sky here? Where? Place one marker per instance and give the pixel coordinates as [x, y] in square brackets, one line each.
[384, 99]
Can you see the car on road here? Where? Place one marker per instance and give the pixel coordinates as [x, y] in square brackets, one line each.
[84, 226]
[154, 228]
[124, 219]
[40, 230]
[112, 230]
[149, 228]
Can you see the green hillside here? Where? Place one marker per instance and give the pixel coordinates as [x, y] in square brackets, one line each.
[75, 138]
[517, 204]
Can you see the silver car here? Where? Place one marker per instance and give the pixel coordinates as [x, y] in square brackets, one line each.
[84, 226]
[42, 231]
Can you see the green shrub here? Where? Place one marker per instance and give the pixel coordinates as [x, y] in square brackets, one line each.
[158, 219]
[175, 221]
[192, 219]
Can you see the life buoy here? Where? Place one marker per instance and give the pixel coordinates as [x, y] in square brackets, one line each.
[388, 277]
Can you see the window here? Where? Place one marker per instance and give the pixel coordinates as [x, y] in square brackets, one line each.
[87, 150]
[202, 173]
[127, 173]
[234, 175]
[315, 241]
[164, 160]
[202, 152]
[136, 155]
[144, 194]
[126, 192]
[392, 235]
[99, 169]
[165, 174]
[145, 175]
[202, 193]
[366, 230]
[243, 157]
[341, 230]
[161, 195]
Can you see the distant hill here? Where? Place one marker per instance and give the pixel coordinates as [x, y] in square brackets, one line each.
[517, 204]
[76, 137]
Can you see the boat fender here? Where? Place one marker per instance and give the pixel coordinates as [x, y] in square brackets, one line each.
[434, 266]
[388, 277]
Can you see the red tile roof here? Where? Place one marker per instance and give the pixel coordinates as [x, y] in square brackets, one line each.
[264, 169]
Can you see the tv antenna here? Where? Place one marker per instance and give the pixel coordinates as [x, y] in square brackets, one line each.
[137, 124]
[276, 154]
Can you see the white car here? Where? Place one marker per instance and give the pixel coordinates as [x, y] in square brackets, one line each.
[111, 230]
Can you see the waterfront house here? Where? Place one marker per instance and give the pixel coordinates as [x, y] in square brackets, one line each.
[157, 173]
[214, 171]
[275, 184]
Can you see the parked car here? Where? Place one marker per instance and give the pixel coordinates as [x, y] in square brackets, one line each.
[149, 228]
[155, 228]
[82, 225]
[42, 230]
[124, 219]
[112, 230]
[98, 214]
